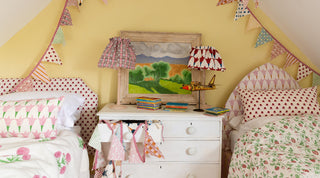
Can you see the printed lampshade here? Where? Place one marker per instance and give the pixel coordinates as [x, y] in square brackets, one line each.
[205, 57]
[119, 53]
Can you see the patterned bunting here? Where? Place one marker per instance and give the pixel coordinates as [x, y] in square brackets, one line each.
[315, 79]
[245, 3]
[223, 2]
[41, 74]
[252, 23]
[263, 38]
[241, 11]
[290, 60]
[66, 18]
[303, 71]
[59, 37]
[52, 56]
[277, 50]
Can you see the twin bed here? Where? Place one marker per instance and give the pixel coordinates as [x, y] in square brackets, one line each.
[43, 132]
[273, 127]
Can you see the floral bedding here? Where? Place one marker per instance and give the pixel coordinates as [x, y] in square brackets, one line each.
[289, 147]
[63, 156]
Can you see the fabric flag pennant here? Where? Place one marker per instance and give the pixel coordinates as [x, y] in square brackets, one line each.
[59, 37]
[40, 74]
[52, 56]
[256, 3]
[66, 18]
[252, 23]
[241, 11]
[303, 71]
[73, 3]
[245, 3]
[315, 79]
[290, 60]
[277, 50]
[223, 2]
[264, 37]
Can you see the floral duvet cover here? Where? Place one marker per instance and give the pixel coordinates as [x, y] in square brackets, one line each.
[64, 156]
[289, 147]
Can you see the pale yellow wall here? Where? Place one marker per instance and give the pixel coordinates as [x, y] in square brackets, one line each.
[95, 23]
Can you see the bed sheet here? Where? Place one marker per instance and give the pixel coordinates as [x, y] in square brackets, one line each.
[288, 147]
[62, 157]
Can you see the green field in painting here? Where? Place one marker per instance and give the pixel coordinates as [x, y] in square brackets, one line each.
[164, 86]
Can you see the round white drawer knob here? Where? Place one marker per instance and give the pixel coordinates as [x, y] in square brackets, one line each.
[129, 176]
[191, 130]
[191, 151]
[191, 176]
[127, 136]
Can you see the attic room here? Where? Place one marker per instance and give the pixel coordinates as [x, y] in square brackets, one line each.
[268, 48]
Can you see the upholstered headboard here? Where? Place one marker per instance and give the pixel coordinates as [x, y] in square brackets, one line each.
[87, 120]
[265, 77]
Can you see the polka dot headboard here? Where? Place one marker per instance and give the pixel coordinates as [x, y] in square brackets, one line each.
[265, 77]
[88, 119]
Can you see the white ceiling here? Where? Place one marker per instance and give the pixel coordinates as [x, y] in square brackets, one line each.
[15, 14]
[300, 21]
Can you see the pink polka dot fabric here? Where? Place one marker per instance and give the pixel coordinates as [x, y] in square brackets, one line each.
[88, 119]
[262, 103]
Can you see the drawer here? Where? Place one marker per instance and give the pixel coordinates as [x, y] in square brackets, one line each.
[189, 151]
[169, 170]
[192, 129]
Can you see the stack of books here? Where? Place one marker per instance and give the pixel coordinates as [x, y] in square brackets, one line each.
[216, 111]
[148, 103]
[179, 107]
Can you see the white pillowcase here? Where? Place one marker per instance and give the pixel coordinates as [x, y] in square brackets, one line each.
[68, 113]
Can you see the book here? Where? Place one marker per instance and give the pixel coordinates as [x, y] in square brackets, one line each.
[216, 110]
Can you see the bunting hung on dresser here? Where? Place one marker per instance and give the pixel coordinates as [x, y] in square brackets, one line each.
[265, 36]
[50, 55]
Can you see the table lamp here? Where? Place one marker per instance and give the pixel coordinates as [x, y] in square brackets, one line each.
[119, 54]
[204, 58]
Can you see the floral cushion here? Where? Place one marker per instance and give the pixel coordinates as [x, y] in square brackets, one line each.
[29, 118]
[291, 102]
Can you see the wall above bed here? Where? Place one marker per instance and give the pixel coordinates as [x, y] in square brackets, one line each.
[95, 22]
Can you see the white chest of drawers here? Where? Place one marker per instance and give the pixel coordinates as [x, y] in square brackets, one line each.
[191, 147]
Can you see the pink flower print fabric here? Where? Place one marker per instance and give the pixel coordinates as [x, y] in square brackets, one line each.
[116, 151]
[63, 160]
[134, 155]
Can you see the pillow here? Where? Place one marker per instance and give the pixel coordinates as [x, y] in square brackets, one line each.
[262, 103]
[235, 121]
[29, 118]
[68, 113]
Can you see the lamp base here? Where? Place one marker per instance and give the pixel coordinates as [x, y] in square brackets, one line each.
[117, 106]
[198, 110]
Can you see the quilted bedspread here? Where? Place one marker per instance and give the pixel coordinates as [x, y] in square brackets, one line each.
[286, 148]
[62, 157]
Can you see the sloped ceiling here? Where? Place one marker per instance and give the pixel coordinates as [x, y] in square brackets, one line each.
[300, 21]
[15, 14]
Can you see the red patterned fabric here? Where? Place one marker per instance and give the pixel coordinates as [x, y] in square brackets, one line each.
[66, 18]
[52, 56]
[290, 60]
[205, 57]
[88, 119]
[262, 103]
[277, 50]
[303, 71]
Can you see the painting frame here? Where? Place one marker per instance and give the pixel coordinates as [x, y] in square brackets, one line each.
[194, 39]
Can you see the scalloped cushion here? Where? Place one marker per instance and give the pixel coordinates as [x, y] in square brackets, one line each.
[261, 103]
[29, 118]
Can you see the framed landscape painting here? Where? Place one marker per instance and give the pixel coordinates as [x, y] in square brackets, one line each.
[161, 67]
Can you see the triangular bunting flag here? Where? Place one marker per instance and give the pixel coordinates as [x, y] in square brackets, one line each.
[73, 3]
[245, 3]
[263, 38]
[59, 37]
[290, 60]
[241, 11]
[303, 71]
[223, 2]
[66, 18]
[315, 79]
[151, 148]
[252, 23]
[52, 56]
[277, 50]
[40, 74]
